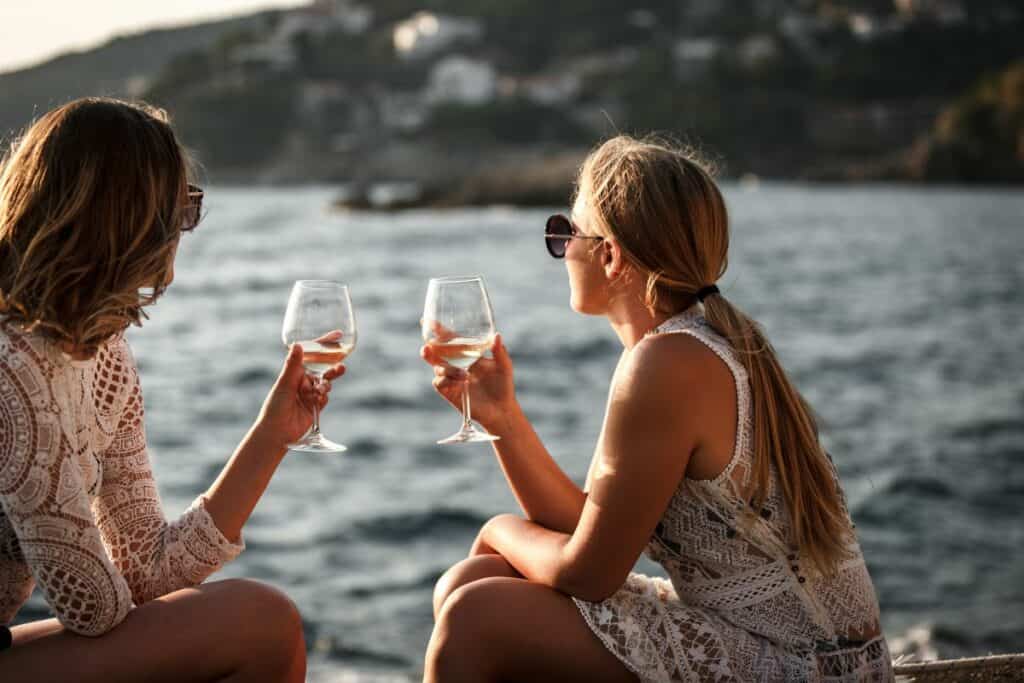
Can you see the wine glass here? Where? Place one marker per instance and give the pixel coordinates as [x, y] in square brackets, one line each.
[320, 320]
[458, 326]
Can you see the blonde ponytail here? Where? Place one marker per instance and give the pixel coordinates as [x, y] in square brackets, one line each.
[785, 434]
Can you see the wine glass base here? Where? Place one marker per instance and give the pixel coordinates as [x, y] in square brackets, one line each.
[316, 443]
[469, 436]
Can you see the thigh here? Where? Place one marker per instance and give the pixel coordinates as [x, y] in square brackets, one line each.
[530, 632]
[194, 634]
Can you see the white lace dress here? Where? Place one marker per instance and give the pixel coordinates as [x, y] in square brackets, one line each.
[80, 516]
[740, 603]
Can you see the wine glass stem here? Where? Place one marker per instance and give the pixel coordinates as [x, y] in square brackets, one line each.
[466, 424]
[315, 430]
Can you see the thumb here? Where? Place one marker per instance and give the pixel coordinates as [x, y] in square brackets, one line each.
[501, 356]
[293, 371]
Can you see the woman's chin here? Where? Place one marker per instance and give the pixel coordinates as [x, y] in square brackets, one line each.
[584, 307]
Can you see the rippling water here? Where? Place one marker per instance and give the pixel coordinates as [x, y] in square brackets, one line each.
[899, 312]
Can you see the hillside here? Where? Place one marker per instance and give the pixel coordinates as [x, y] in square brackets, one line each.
[470, 99]
[124, 66]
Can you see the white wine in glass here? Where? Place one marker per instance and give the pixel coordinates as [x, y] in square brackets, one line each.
[321, 321]
[458, 325]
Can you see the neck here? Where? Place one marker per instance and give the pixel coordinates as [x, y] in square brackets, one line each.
[632, 320]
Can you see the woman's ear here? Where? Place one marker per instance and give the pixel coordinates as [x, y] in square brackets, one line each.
[612, 259]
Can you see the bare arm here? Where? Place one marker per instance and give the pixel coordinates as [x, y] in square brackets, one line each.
[545, 493]
[650, 433]
[284, 418]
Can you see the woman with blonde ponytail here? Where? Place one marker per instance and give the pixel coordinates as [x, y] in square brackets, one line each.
[708, 462]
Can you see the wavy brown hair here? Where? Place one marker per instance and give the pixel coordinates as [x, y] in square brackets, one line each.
[660, 203]
[92, 199]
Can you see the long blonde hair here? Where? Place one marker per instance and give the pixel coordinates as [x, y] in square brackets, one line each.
[91, 205]
[660, 203]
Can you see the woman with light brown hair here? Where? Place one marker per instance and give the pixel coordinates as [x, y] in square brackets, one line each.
[93, 201]
[708, 461]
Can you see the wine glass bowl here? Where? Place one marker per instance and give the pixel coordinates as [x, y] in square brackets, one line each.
[320, 319]
[458, 326]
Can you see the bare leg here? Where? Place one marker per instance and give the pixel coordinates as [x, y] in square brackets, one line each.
[504, 629]
[466, 571]
[235, 630]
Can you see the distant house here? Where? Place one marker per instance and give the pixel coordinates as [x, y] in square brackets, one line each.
[943, 11]
[425, 33]
[757, 49]
[401, 111]
[461, 80]
[549, 89]
[277, 52]
[269, 56]
[801, 31]
[867, 27]
[693, 56]
[323, 16]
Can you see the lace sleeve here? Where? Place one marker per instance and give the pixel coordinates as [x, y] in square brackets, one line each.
[154, 556]
[43, 495]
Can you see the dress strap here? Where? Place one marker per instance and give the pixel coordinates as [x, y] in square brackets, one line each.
[692, 322]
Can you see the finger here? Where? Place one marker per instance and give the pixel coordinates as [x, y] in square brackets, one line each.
[450, 371]
[447, 387]
[292, 373]
[427, 354]
[437, 330]
[335, 372]
[500, 353]
[332, 337]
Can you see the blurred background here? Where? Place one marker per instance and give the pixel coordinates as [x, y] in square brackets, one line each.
[871, 153]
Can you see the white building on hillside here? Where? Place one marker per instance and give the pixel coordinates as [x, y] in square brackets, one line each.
[693, 56]
[461, 80]
[426, 33]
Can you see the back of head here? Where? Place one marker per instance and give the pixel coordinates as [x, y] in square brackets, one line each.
[660, 203]
[662, 206]
[91, 202]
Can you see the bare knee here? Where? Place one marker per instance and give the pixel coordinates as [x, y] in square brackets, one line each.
[456, 651]
[272, 626]
[465, 572]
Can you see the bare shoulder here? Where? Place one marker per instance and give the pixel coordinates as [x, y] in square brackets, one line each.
[669, 360]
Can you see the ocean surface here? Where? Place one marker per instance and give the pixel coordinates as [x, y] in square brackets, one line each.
[899, 312]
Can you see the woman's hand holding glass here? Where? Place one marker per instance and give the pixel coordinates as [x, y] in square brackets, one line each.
[458, 327]
[287, 412]
[491, 387]
[321, 323]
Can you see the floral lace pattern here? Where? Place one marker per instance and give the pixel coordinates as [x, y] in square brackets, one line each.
[80, 515]
[739, 605]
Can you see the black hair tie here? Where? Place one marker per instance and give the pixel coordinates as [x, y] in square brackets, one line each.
[706, 292]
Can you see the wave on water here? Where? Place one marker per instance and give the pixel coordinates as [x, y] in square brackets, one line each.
[435, 523]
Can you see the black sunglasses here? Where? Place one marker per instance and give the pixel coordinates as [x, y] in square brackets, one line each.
[193, 210]
[557, 233]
